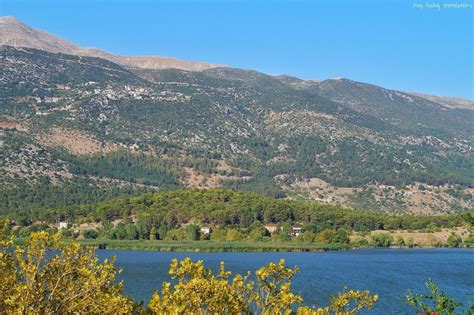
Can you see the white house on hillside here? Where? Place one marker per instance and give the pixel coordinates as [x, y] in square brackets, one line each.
[205, 230]
[295, 231]
[271, 228]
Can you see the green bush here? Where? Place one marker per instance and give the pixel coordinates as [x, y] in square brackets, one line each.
[91, 234]
[381, 240]
[399, 241]
[361, 242]
[66, 232]
[437, 302]
[454, 241]
[469, 241]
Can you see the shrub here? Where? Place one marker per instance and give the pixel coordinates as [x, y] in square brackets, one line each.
[199, 291]
[454, 241]
[435, 303]
[399, 241]
[71, 281]
[469, 241]
[325, 236]
[176, 235]
[218, 234]
[193, 232]
[131, 232]
[66, 232]
[341, 237]
[361, 242]
[307, 236]
[233, 235]
[381, 240]
[91, 234]
[257, 232]
[153, 234]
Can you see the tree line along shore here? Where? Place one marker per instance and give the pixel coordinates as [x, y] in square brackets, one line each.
[225, 220]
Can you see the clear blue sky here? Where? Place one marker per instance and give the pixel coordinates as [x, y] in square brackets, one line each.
[385, 42]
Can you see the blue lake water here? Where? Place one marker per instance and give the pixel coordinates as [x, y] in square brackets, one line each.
[388, 272]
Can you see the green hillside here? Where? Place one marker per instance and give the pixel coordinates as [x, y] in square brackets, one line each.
[72, 119]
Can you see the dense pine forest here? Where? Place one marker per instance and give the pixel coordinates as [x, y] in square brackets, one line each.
[220, 215]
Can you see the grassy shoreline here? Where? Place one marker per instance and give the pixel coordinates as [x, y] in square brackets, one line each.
[212, 246]
[221, 247]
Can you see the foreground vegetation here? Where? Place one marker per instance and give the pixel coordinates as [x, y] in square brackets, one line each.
[72, 280]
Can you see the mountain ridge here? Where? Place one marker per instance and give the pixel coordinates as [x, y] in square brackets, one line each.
[15, 33]
[76, 123]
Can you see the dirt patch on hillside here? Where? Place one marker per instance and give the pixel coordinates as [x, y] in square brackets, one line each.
[74, 142]
[322, 191]
[421, 239]
[12, 125]
[199, 180]
[223, 166]
[312, 183]
[417, 198]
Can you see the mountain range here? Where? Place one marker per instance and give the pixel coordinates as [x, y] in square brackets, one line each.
[81, 124]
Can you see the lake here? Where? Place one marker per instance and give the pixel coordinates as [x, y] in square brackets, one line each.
[388, 272]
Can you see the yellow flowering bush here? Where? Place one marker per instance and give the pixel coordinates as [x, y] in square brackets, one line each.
[351, 302]
[71, 281]
[273, 291]
[199, 291]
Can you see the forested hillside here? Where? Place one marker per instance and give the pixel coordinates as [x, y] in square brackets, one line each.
[227, 208]
[83, 126]
[244, 219]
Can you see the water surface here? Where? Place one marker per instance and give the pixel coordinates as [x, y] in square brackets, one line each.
[389, 272]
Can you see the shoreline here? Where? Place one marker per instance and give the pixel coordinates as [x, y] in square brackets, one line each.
[211, 246]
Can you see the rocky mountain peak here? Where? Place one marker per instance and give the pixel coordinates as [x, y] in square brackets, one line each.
[14, 32]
